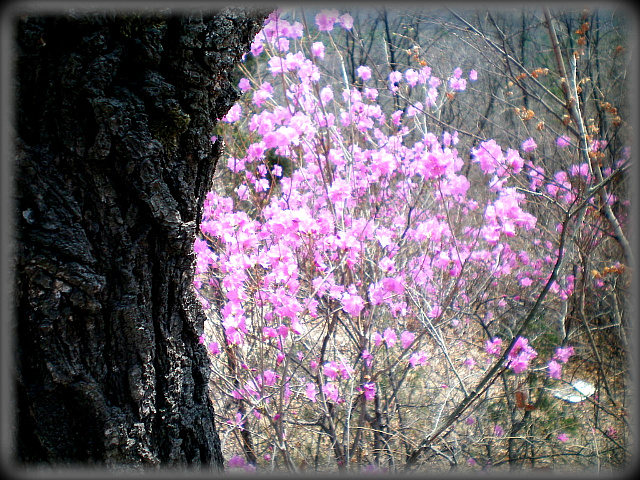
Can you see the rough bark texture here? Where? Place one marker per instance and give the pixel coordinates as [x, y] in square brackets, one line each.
[114, 118]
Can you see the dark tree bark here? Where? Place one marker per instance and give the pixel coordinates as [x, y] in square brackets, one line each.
[113, 161]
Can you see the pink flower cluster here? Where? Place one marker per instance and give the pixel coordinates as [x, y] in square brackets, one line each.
[561, 356]
[371, 223]
[520, 355]
[327, 18]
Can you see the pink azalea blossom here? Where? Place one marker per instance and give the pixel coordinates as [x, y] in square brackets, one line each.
[236, 462]
[457, 84]
[415, 109]
[492, 347]
[346, 370]
[257, 46]
[407, 338]
[214, 348]
[526, 282]
[563, 354]
[326, 19]
[331, 391]
[311, 391]
[326, 95]
[276, 139]
[563, 141]
[269, 332]
[233, 115]
[330, 369]
[352, 304]
[435, 311]
[390, 337]
[282, 44]
[262, 94]
[368, 358]
[346, 20]
[394, 79]
[297, 327]
[371, 94]
[555, 369]
[269, 377]
[520, 355]
[237, 395]
[418, 358]
[396, 116]
[529, 145]
[283, 331]
[364, 73]
[297, 30]
[488, 154]
[514, 161]
[244, 85]
[371, 204]
[387, 264]
[277, 65]
[317, 48]
[369, 390]
[412, 77]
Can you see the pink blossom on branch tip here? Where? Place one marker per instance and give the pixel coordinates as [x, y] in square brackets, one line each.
[318, 49]
[352, 304]
[331, 391]
[364, 72]
[492, 347]
[311, 391]
[529, 145]
[326, 19]
[520, 355]
[214, 348]
[390, 337]
[346, 20]
[562, 354]
[244, 85]
[563, 141]
[407, 338]
[418, 358]
[369, 390]
[236, 462]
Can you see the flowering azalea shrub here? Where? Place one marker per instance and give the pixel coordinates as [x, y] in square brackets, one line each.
[362, 292]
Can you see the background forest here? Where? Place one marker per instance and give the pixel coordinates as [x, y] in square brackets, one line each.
[417, 251]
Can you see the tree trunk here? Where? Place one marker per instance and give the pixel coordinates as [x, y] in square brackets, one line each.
[113, 160]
